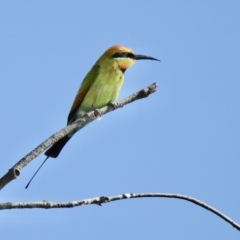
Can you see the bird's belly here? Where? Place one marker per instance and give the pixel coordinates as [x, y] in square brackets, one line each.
[105, 95]
[100, 95]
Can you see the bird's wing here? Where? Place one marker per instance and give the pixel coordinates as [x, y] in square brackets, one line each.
[86, 84]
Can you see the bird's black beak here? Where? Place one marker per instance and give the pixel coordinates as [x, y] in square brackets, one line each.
[141, 57]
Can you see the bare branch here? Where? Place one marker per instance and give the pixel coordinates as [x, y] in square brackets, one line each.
[14, 172]
[100, 200]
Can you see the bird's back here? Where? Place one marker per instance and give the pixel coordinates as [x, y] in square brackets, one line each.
[103, 88]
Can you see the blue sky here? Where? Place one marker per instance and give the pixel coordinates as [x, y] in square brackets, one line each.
[182, 139]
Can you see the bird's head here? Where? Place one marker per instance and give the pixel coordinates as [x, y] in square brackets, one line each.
[122, 57]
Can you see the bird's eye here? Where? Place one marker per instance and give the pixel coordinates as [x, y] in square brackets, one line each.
[130, 55]
[123, 55]
[118, 55]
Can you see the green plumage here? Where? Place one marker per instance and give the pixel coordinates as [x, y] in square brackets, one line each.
[103, 86]
[100, 87]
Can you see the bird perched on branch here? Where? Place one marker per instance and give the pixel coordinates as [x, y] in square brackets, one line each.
[100, 87]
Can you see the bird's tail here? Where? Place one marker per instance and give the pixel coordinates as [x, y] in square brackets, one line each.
[36, 173]
[53, 152]
[56, 148]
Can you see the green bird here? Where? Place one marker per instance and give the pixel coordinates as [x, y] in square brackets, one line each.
[100, 87]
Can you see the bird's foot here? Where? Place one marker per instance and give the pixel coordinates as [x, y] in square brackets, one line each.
[113, 105]
[97, 114]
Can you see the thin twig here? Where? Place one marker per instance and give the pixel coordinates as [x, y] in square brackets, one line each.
[100, 200]
[14, 172]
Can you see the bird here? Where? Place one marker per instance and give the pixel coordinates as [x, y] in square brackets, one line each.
[100, 87]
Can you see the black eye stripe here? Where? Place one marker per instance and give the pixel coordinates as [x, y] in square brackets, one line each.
[123, 55]
[130, 55]
[118, 55]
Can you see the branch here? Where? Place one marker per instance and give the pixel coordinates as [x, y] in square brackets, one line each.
[14, 172]
[100, 200]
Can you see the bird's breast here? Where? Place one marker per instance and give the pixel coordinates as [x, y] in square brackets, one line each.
[104, 89]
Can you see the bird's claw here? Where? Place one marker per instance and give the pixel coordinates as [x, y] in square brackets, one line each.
[113, 105]
[97, 113]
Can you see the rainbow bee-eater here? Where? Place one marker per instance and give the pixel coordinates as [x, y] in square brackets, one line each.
[99, 88]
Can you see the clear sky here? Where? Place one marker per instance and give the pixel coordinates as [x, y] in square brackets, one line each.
[182, 139]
